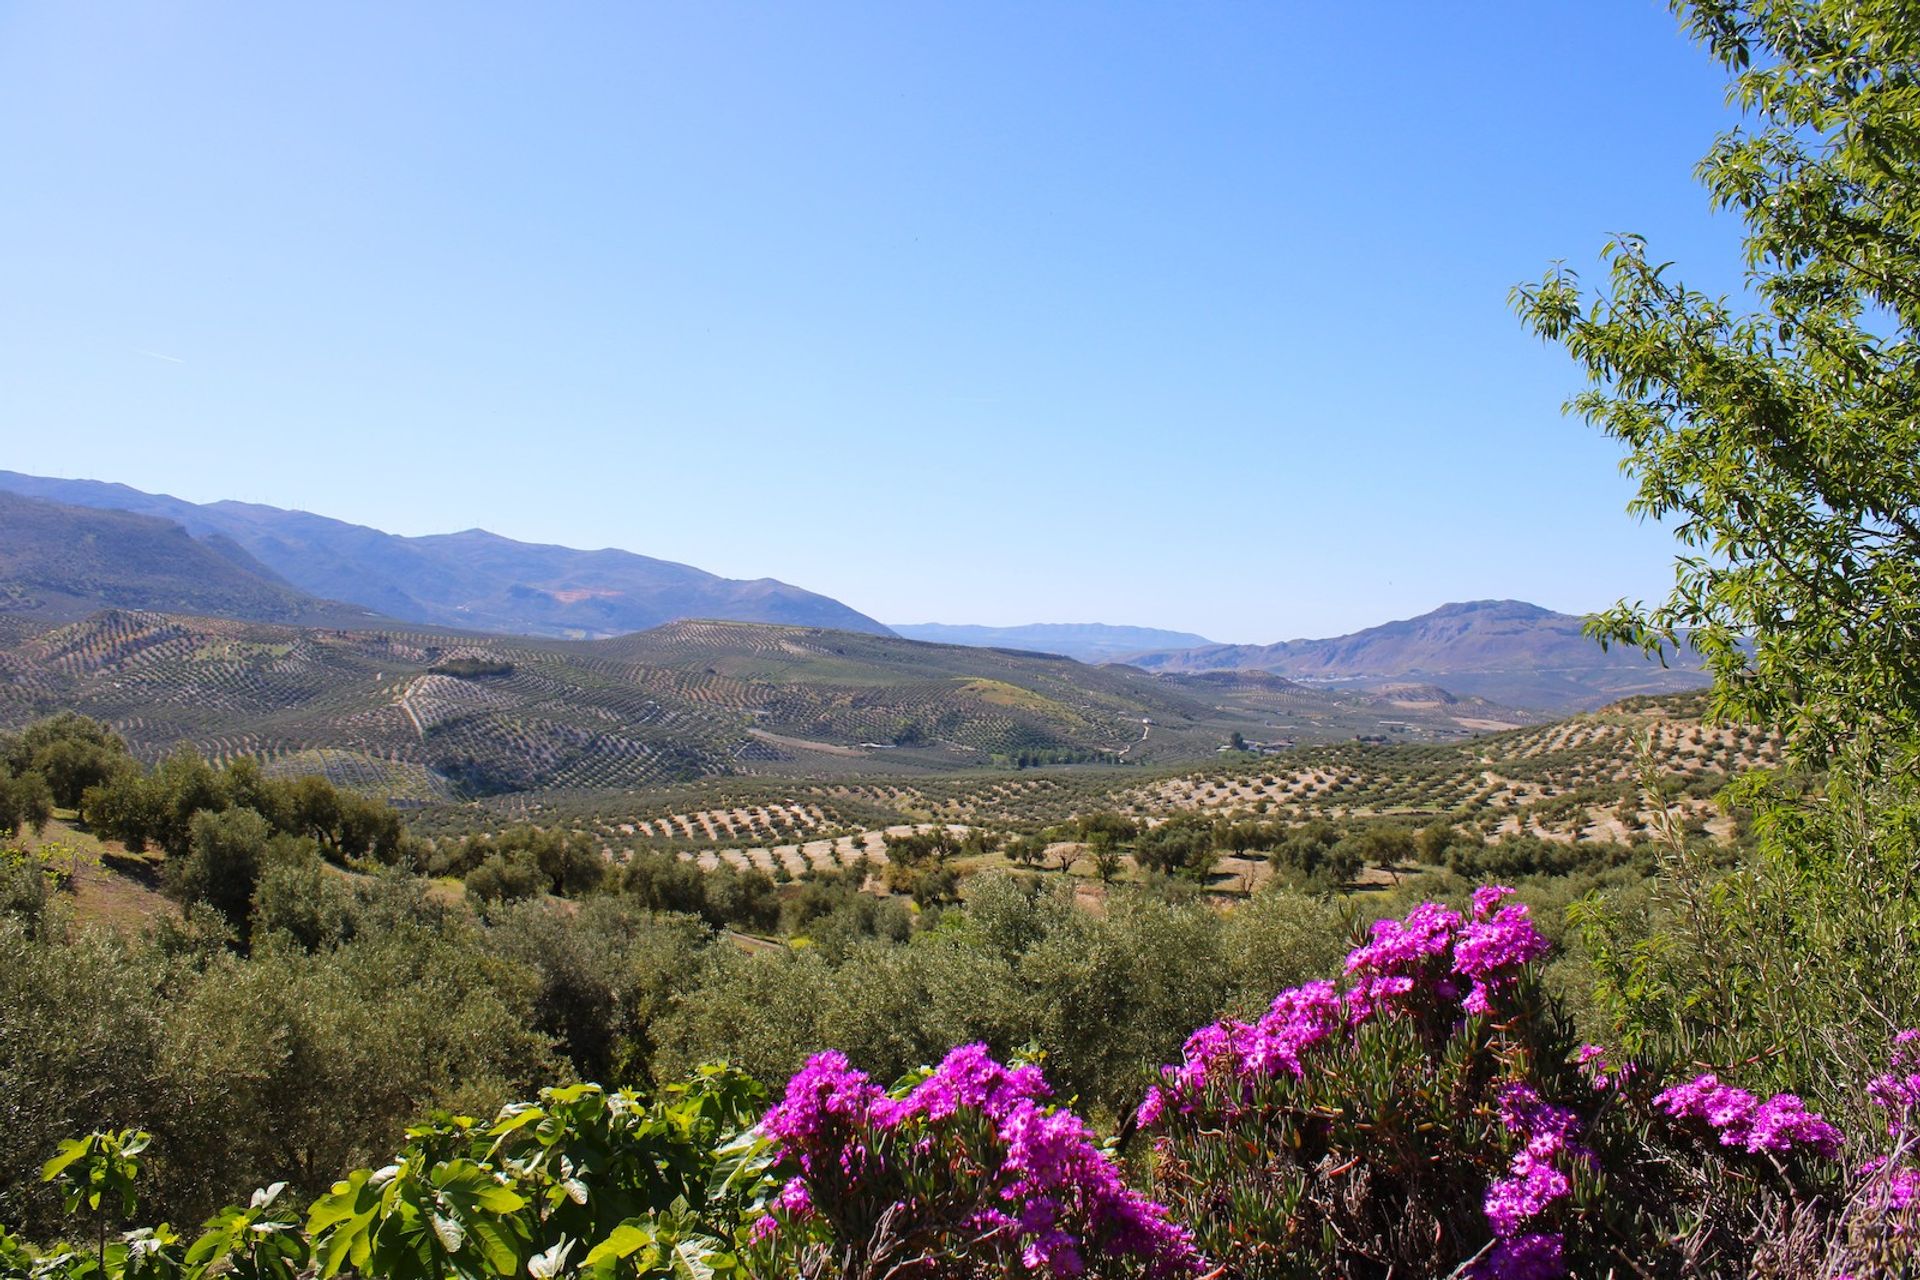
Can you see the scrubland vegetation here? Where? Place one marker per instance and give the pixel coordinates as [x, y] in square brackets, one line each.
[1580, 1014]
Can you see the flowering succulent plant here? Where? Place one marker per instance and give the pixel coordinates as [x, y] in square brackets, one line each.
[1428, 1116]
[968, 1170]
[1396, 1119]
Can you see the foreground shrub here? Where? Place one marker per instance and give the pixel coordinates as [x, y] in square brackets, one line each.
[581, 1182]
[963, 1171]
[1429, 1117]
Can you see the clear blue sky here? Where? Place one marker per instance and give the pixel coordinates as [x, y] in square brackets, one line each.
[1190, 315]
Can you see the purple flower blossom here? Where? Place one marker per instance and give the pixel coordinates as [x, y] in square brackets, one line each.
[1783, 1120]
[1903, 1189]
[1522, 1112]
[795, 1198]
[1050, 1192]
[968, 1077]
[1742, 1121]
[1399, 946]
[1533, 1186]
[1534, 1257]
[1494, 945]
[827, 1092]
[1533, 1183]
[1898, 1091]
[1603, 1074]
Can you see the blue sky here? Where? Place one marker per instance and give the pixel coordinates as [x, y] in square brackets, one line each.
[1178, 314]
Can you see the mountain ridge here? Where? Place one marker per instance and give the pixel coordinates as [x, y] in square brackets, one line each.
[1507, 651]
[472, 579]
[61, 562]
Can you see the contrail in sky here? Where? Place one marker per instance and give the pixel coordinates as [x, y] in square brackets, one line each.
[157, 356]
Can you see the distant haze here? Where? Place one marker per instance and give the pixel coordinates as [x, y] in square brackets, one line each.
[1086, 641]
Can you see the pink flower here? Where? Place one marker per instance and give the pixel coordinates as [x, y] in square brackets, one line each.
[1777, 1125]
[1534, 1186]
[1898, 1091]
[1783, 1120]
[1494, 946]
[1603, 1074]
[968, 1077]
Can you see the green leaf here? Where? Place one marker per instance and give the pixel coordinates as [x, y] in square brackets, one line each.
[452, 1237]
[70, 1150]
[621, 1244]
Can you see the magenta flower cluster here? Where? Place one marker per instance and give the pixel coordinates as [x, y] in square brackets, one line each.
[1898, 1091]
[1777, 1126]
[1433, 949]
[1433, 958]
[1433, 952]
[1602, 1072]
[1299, 1018]
[1051, 1194]
[1534, 1183]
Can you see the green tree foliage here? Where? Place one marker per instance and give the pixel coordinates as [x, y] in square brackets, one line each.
[1184, 844]
[158, 807]
[1778, 434]
[72, 752]
[604, 974]
[580, 1182]
[526, 860]
[1781, 440]
[23, 889]
[96, 1073]
[917, 863]
[221, 866]
[723, 897]
[26, 802]
[286, 1065]
[1104, 996]
[299, 898]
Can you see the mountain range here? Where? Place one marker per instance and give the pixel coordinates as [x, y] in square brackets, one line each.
[70, 547]
[472, 580]
[1084, 641]
[1507, 651]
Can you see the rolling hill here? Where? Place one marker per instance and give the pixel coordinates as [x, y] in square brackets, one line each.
[432, 715]
[59, 562]
[1085, 641]
[1509, 652]
[472, 580]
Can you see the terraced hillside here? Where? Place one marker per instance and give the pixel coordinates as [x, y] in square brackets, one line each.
[1576, 779]
[423, 715]
[1579, 780]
